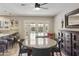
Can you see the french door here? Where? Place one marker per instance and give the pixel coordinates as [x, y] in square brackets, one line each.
[32, 30]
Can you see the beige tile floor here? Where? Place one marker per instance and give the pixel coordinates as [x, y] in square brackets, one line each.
[12, 51]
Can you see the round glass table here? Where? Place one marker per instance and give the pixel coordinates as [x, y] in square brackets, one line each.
[42, 49]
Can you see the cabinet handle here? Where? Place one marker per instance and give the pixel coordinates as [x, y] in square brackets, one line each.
[68, 47]
[74, 45]
[74, 37]
[68, 41]
[75, 54]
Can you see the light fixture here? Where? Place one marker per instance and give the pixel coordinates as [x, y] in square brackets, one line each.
[37, 8]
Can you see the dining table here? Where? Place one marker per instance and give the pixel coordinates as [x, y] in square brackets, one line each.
[41, 49]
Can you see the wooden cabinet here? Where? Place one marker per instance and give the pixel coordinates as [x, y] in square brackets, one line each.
[70, 42]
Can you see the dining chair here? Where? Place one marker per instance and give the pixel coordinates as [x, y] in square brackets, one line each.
[57, 49]
[9, 41]
[5, 42]
[40, 51]
[3, 47]
[22, 49]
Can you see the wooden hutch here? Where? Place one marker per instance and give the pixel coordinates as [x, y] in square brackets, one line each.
[69, 42]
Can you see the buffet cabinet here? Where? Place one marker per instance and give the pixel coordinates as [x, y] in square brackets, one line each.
[69, 42]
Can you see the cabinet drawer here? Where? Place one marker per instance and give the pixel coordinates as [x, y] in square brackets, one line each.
[68, 52]
[68, 48]
[75, 53]
[68, 41]
[68, 44]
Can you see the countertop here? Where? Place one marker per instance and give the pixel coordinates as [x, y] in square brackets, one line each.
[71, 29]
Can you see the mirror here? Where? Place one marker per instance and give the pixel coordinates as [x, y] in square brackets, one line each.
[72, 19]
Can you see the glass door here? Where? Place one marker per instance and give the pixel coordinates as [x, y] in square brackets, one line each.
[46, 30]
[40, 32]
[33, 34]
[27, 31]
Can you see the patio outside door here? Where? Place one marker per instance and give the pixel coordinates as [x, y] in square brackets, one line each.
[33, 30]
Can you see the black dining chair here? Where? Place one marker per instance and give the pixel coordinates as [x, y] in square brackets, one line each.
[9, 41]
[3, 46]
[40, 51]
[22, 49]
[5, 42]
[57, 49]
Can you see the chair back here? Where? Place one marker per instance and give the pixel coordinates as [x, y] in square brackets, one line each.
[40, 51]
[21, 43]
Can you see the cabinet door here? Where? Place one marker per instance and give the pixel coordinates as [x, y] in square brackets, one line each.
[75, 44]
[63, 43]
[68, 36]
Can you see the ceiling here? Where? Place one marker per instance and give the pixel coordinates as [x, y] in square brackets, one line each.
[16, 9]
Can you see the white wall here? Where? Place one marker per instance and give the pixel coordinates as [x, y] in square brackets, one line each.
[57, 23]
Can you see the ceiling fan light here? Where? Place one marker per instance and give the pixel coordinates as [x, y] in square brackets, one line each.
[37, 8]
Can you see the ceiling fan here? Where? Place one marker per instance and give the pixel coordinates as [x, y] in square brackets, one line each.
[38, 6]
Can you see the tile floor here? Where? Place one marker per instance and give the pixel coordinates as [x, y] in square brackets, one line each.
[11, 51]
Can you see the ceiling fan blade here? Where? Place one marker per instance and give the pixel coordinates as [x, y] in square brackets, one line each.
[43, 8]
[43, 4]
